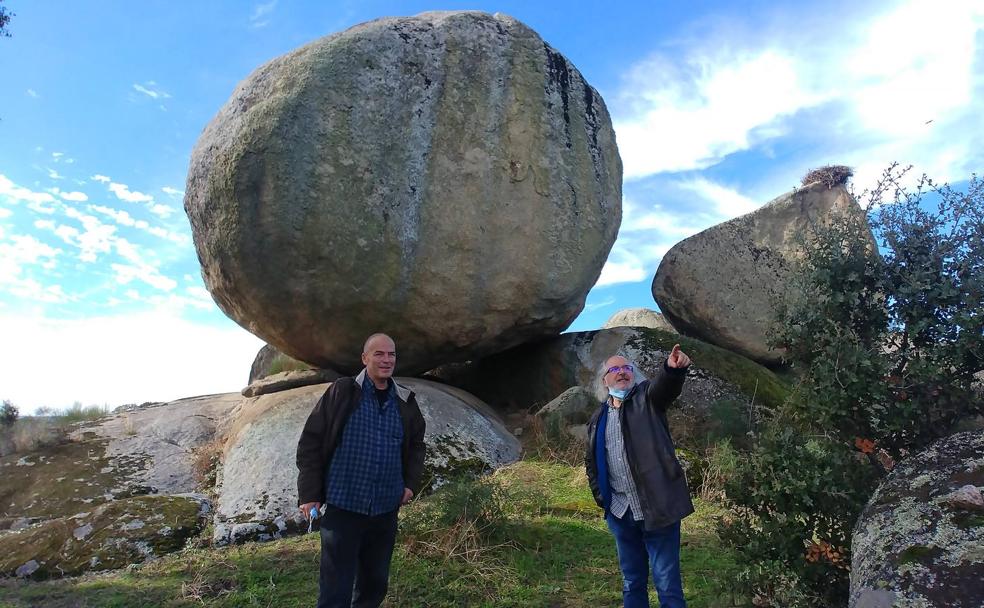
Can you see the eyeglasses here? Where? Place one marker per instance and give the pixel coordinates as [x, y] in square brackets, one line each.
[617, 368]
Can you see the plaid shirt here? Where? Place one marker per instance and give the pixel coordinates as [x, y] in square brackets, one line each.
[366, 472]
[624, 493]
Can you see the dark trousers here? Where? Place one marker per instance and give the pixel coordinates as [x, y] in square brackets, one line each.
[642, 552]
[355, 558]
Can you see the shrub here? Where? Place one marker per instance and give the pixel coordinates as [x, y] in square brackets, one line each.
[82, 413]
[8, 413]
[462, 520]
[886, 348]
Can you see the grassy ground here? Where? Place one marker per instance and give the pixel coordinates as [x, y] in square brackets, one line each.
[551, 549]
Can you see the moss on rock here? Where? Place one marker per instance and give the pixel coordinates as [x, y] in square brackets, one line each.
[112, 535]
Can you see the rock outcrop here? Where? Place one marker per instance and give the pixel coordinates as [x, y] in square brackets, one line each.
[258, 492]
[722, 285]
[474, 218]
[534, 374]
[920, 540]
[638, 317]
[270, 361]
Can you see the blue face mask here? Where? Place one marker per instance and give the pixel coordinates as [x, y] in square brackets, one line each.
[618, 393]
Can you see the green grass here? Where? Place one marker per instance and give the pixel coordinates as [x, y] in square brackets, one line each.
[553, 551]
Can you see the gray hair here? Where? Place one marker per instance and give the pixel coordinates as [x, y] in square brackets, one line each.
[601, 391]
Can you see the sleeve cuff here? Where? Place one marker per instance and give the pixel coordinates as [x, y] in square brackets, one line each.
[678, 371]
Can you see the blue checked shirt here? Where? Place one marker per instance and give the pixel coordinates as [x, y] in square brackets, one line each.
[366, 472]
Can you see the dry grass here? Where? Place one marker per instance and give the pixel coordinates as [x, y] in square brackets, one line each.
[205, 462]
[30, 433]
[549, 440]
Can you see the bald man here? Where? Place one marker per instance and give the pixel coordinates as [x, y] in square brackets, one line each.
[360, 457]
[636, 478]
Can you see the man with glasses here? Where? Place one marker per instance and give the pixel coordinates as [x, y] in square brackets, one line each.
[636, 478]
[360, 456]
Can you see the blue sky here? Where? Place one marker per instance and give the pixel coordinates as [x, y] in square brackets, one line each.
[718, 107]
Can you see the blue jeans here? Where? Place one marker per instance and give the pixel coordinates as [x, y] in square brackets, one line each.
[638, 550]
[355, 558]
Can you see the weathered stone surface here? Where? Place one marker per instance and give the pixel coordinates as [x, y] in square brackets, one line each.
[269, 361]
[258, 491]
[913, 542]
[288, 380]
[163, 438]
[575, 405]
[534, 374]
[474, 217]
[111, 535]
[638, 317]
[722, 284]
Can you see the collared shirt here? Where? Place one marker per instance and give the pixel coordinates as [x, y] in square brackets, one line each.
[624, 492]
[366, 472]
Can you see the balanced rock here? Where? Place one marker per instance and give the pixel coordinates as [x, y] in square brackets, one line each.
[722, 285]
[258, 491]
[638, 317]
[449, 179]
[920, 539]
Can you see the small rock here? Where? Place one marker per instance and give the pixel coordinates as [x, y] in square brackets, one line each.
[28, 569]
[968, 497]
[82, 531]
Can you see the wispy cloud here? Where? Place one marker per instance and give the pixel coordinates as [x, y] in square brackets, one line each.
[54, 174]
[78, 197]
[261, 14]
[602, 304]
[172, 191]
[33, 93]
[100, 178]
[150, 89]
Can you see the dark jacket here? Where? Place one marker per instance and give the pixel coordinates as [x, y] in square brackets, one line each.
[323, 431]
[655, 470]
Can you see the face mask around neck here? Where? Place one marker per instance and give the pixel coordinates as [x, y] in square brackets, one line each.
[618, 393]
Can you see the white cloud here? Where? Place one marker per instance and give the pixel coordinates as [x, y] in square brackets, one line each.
[122, 192]
[150, 89]
[186, 359]
[119, 216]
[16, 256]
[866, 92]
[33, 93]
[138, 268]
[96, 238]
[162, 211]
[57, 155]
[172, 191]
[100, 178]
[4, 212]
[44, 225]
[260, 16]
[729, 203]
[79, 197]
[54, 174]
[15, 194]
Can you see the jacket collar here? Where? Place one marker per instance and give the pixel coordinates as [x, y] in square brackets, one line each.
[401, 391]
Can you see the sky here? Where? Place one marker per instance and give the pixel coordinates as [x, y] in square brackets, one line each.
[718, 107]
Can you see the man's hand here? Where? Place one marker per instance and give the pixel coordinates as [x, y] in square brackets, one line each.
[407, 496]
[677, 359]
[306, 509]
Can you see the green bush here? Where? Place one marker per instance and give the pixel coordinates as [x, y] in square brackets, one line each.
[886, 348]
[8, 413]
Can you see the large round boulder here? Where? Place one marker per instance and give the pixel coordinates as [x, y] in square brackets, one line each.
[722, 285]
[449, 179]
[920, 539]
